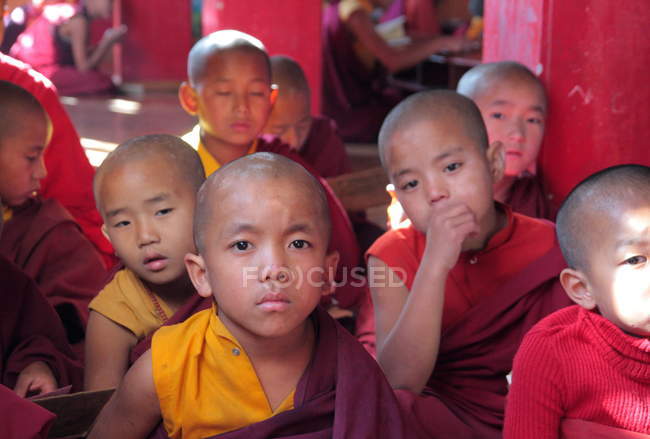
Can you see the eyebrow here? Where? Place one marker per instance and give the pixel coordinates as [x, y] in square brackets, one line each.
[438, 158]
[155, 199]
[632, 241]
[538, 108]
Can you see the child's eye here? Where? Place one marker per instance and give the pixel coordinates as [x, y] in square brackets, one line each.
[242, 245]
[31, 158]
[222, 93]
[453, 166]
[535, 120]
[497, 115]
[258, 93]
[121, 224]
[299, 243]
[409, 185]
[635, 260]
[162, 212]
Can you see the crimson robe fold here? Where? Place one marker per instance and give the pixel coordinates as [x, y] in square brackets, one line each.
[324, 148]
[22, 419]
[30, 331]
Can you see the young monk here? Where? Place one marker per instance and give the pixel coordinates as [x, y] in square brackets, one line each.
[39, 235]
[264, 360]
[314, 138]
[455, 289]
[146, 192]
[513, 103]
[583, 371]
[229, 90]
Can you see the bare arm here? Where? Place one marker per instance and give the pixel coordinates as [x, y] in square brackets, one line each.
[133, 411]
[409, 323]
[108, 346]
[77, 29]
[399, 58]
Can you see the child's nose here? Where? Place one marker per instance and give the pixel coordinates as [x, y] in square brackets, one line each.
[517, 131]
[41, 171]
[241, 103]
[146, 233]
[437, 191]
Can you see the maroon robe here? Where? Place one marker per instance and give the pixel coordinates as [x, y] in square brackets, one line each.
[324, 150]
[22, 419]
[342, 394]
[527, 197]
[465, 396]
[356, 98]
[44, 241]
[580, 429]
[69, 174]
[31, 331]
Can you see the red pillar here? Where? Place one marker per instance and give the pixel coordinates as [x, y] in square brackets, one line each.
[286, 27]
[593, 57]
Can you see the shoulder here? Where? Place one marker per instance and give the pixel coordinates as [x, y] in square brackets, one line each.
[406, 239]
[541, 228]
[554, 330]
[182, 333]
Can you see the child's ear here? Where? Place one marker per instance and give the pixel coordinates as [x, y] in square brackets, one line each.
[577, 288]
[105, 233]
[331, 264]
[187, 97]
[195, 265]
[497, 160]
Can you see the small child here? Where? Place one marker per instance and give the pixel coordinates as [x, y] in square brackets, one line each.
[583, 371]
[513, 103]
[264, 361]
[146, 192]
[39, 235]
[229, 90]
[455, 289]
[314, 138]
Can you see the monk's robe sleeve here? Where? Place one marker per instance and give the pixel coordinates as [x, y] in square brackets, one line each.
[21, 418]
[31, 331]
[534, 407]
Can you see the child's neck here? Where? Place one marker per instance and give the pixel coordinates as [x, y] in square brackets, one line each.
[223, 152]
[174, 293]
[503, 187]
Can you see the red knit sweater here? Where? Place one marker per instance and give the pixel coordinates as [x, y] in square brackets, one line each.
[577, 364]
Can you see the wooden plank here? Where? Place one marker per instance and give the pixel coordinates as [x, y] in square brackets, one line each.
[76, 412]
[361, 190]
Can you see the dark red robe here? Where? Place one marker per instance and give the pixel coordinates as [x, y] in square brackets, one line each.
[31, 331]
[527, 197]
[22, 419]
[324, 149]
[45, 241]
[70, 175]
[465, 396]
[342, 394]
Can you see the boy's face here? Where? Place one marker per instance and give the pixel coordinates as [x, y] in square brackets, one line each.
[148, 212]
[514, 112]
[21, 159]
[233, 99]
[618, 272]
[432, 162]
[290, 119]
[265, 263]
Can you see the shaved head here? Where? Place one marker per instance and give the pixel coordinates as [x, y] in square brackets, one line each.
[607, 193]
[482, 77]
[16, 102]
[177, 154]
[288, 75]
[217, 42]
[432, 106]
[262, 168]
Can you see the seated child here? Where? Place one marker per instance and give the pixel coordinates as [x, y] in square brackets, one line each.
[229, 90]
[34, 354]
[513, 103]
[264, 360]
[455, 289]
[39, 235]
[146, 192]
[314, 138]
[583, 371]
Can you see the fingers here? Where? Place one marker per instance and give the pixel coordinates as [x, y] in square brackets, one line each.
[22, 386]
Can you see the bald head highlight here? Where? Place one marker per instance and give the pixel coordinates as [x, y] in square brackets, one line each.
[15, 103]
[607, 192]
[482, 77]
[219, 42]
[260, 168]
[176, 153]
[289, 76]
[432, 106]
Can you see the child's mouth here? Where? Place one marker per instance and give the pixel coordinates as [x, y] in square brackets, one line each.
[155, 263]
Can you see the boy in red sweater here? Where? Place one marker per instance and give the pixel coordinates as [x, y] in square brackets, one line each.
[584, 370]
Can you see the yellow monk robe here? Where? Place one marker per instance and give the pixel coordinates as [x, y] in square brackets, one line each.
[210, 164]
[7, 214]
[126, 301]
[205, 382]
